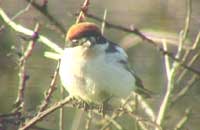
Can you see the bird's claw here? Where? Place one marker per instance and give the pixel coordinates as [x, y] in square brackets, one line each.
[102, 108]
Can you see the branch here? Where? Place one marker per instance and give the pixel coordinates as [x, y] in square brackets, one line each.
[127, 107]
[184, 90]
[103, 22]
[61, 113]
[183, 120]
[22, 73]
[170, 86]
[186, 54]
[143, 37]
[19, 13]
[29, 32]
[41, 115]
[51, 89]
[171, 72]
[84, 9]
[88, 121]
[43, 10]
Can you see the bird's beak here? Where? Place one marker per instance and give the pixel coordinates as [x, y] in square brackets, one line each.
[88, 44]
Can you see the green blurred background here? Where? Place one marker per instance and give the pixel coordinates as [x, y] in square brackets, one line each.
[159, 17]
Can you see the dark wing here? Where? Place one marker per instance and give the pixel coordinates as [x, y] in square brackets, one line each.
[114, 48]
[140, 87]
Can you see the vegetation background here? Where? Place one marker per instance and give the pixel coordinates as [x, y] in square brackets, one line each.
[159, 18]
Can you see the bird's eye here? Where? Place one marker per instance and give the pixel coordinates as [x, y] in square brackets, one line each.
[78, 42]
[74, 41]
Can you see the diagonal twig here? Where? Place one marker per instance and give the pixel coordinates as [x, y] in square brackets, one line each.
[29, 32]
[142, 36]
[22, 74]
[44, 10]
[41, 115]
[84, 9]
[51, 89]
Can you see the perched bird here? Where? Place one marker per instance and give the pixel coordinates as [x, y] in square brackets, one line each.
[94, 69]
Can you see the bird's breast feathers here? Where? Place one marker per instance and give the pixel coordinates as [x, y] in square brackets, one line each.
[96, 78]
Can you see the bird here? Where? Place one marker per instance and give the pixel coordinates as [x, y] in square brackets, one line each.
[95, 69]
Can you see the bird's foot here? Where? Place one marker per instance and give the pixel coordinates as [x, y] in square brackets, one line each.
[79, 103]
[103, 108]
[85, 106]
[82, 104]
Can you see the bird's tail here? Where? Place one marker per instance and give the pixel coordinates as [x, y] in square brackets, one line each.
[144, 92]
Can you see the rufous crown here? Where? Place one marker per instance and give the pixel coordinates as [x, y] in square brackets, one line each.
[82, 29]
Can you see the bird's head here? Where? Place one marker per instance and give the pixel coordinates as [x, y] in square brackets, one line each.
[84, 34]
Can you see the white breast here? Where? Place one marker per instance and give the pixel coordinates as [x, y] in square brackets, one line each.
[95, 79]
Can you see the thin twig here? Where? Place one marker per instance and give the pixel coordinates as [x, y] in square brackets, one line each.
[29, 32]
[186, 54]
[53, 46]
[19, 13]
[170, 85]
[127, 108]
[77, 119]
[171, 76]
[142, 36]
[41, 115]
[22, 11]
[196, 42]
[114, 122]
[88, 121]
[51, 89]
[167, 60]
[22, 74]
[194, 58]
[183, 120]
[31, 44]
[109, 121]
[184, 90]
[187, 19]
[61, 116]
[117, 113]
[185, 32]
[145, 106]
[44, 10]
[103, 23]
[84, 9]
[140, 119]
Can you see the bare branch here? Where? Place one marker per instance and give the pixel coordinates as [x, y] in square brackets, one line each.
[51, 89]
[29, 32]
[184, 90]
[44, 10]
[19, 13]
[88, 121]
[183, 120]
[163, 105]
[61, 116]
[187, 19]
[22, 73]
[103, 23]
[41, 115]
[186, 54]
[84, 9]
[142, 36]
[171, 74]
